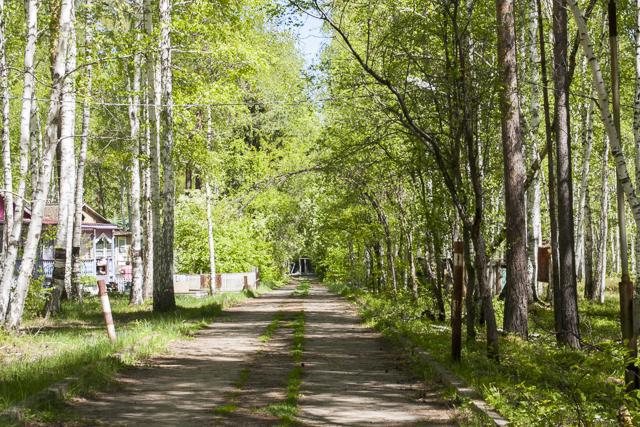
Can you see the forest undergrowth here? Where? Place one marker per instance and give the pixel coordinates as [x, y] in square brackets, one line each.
[536, 382]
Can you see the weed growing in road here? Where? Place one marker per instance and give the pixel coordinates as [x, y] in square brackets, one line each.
[302, 290]
[272, 327]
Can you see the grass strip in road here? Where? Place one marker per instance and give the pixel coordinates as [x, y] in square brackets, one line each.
[302, 290]
[232, 398]
[272, 327]
[288, 409]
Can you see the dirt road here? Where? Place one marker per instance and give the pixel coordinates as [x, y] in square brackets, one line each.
[247, 369]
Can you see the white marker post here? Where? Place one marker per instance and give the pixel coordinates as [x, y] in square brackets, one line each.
[106, 310]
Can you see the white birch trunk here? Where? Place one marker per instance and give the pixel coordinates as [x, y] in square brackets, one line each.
[134, 121]
[153, 91]
[71, 67]
[40, 196]
[11, 255]
[601, 262]
[35, 144]
[6, 140]
[67, 176]
[76, 287]
[147, 229]
[605, 113]
[584, 182]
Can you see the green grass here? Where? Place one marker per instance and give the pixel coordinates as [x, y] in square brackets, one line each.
[288, 410]
[536, 383]
[302, 290]
[75, 343]
[271, 328]
[225, 409]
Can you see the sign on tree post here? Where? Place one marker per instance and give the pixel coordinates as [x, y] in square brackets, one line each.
[456, 303]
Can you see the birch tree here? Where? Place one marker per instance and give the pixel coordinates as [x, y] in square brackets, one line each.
[209, 196]
[67, 178]
[42, 190]
[137, 296]
[82, 155]
[605, 112]
[28, 103]
[601, 261]
[6, 140]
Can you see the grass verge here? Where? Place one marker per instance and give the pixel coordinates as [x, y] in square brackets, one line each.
[75, 344]
[536, 383]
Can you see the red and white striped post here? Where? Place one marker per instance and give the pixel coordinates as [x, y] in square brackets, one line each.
[106, 310]
[456, 302]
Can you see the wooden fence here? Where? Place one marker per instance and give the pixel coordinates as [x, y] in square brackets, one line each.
[225, 282]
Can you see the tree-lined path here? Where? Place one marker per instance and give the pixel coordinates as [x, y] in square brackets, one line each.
[232, 374]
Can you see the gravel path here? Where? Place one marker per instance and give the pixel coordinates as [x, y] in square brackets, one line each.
[228, 375]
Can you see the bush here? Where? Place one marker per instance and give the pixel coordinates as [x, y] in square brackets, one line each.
[36, 297]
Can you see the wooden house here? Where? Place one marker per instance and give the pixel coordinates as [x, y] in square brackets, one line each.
[104, 248]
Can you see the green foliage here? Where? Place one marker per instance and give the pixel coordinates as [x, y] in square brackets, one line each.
[36, 298]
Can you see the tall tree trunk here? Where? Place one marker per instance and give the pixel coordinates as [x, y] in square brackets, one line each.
[154, 99]
[67, 176]
[566, 294]
[209, 196]
[588, 248]
[6, 140]
[413, 278]
[35, 141]
[147, 229]
[636, 137]
[472, 289]
[40, 196]
[534, 225]
[601, 260]
[11, 255]
[164, 298]
[587, 143]
[382, 218]
[515, 313]
[551, 182]
[622, 172]
[137, 271]
[629, 334]
[76, 286]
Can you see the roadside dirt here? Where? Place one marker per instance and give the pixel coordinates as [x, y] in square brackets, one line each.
[229, 375]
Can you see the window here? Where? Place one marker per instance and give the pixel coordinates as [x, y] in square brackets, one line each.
[103, 248]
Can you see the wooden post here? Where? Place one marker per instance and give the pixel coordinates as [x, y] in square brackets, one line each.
[219, 282]
[106, 310]
[245, 286]
[456, 302]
